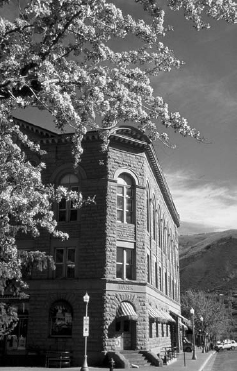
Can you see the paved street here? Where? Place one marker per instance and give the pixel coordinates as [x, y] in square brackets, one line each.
[224, 361]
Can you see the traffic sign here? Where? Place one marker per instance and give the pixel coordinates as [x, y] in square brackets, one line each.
[85, 326]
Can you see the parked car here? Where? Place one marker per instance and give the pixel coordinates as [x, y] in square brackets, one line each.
[233, 344]
[226, 344]
[187, 345]
[218, 346]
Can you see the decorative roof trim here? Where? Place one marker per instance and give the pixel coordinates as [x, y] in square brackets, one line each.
[127, 135]
[36, 129]
[144, 142]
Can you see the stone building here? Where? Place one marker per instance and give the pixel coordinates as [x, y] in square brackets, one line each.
[122, 251]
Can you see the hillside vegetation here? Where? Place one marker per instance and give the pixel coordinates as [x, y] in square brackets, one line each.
[208, 261]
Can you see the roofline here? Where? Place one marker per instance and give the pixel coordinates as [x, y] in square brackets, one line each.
[143, 141]
[138, 138]
[35, 128]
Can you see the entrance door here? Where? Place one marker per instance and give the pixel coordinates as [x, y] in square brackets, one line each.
[126, 332]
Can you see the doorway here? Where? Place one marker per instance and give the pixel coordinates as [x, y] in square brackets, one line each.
[125, 334]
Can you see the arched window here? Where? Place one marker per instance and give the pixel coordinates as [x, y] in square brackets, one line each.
[60, 317]
[66, 212]
[125, 199]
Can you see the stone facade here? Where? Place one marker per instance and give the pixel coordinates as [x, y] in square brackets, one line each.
[127, 264]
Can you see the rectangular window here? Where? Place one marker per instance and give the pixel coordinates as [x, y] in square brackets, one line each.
[129, 205]
[156, 274]
[66, 211]
[170, 286]
[16, 342]
[148, 269]
[150, 328]
[162, 330]
[157, 329]
[160, 279]
[124, 263]
[120, 203]
[166, 284]
[167, 330]
[65, 262]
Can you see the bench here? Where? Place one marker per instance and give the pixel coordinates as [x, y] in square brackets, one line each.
[57, 358]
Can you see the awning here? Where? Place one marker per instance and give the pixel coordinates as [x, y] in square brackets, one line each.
[184, 326]
[168, 317]
[159, 315]
[126, 311]
[185, 320]
[153, 313]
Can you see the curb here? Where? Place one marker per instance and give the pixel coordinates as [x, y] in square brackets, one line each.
[205, 363]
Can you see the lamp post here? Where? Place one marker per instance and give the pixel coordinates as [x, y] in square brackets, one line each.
[193, 328]
[203, 343]
[86, 299]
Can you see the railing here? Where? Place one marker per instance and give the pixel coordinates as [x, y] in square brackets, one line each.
[167, 354]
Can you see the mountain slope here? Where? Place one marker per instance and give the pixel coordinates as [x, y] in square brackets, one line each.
[208, 261]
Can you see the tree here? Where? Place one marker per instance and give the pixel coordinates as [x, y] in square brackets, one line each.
[25, 207]
[216, 319]
[57, 55]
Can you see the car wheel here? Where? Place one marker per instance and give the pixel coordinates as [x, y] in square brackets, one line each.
[188, 349]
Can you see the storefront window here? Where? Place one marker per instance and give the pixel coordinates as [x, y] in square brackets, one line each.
[16, 340]
[61, 319]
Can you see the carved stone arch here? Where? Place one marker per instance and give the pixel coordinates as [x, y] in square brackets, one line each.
[64, 302]
[71, 299]
[120, 171]
[67, 168]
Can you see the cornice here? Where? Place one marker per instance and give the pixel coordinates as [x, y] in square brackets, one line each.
[34, 128]
[127, 135]
[132, 136]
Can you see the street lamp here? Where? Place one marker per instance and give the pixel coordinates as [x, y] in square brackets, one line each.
[86, 299]
[194, 349]
[203, 341]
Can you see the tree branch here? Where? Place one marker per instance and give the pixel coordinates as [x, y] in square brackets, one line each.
[55, 41]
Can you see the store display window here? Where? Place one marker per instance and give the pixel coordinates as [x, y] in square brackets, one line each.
[16, 340]
[61, 319]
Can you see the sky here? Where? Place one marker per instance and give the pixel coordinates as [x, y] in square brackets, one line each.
[202, 177]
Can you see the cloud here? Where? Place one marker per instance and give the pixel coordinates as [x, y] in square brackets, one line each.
[202, 205]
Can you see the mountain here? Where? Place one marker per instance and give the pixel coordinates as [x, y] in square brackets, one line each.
[208, 261]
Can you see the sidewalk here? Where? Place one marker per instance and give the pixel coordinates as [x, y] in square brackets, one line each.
[200, 364]
[189, 364]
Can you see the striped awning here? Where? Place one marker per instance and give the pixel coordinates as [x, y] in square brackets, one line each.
[126, 311]
[157, 314]
[153, 313]
[184, 326]
[169, 317]
[183, 319]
